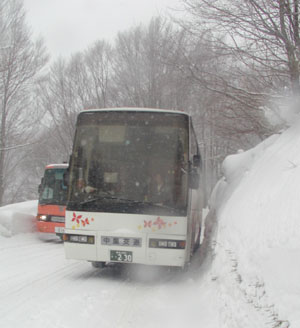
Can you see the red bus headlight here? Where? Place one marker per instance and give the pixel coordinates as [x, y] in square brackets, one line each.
[42, 217]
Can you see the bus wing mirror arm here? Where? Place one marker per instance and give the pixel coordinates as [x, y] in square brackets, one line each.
[40, 185]
[67, 173]
[66, 178]
[194, 179]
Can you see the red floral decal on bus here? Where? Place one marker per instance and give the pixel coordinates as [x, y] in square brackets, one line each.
[84, 222]
[158, 224]
[147, 224]
[78, 219]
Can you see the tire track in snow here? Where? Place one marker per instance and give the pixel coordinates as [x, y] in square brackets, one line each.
[30, 269]
[22, 265]
[243, 304]
[38, 285]
[26, 284]
[51, 292]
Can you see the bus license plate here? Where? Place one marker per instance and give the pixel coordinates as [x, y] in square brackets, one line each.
[59, 229]
[121, 256]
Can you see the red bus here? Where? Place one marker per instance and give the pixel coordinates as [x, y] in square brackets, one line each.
[52, 200]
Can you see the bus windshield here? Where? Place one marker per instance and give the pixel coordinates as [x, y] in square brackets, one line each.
[130, 162]
[53, 191]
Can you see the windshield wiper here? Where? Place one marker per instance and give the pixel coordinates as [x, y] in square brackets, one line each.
[124, 200]
[159, 205]
[95, 199]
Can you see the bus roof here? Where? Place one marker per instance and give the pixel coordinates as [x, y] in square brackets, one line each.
[57, 166]
[135, 109]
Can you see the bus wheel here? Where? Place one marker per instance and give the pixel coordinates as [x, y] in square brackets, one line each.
[185, 268]
[98, 265]
[179, 270]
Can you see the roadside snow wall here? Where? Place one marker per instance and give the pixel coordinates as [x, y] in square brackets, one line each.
[258, 234]
[18, 218]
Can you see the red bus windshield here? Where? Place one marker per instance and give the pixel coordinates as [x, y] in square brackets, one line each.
[53, 191]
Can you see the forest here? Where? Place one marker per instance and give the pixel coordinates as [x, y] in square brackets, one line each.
[232, 64]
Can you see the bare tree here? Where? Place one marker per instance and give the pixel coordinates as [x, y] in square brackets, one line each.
[242, 56]
[20, 61]
[261, 38]
[146, 66]
[71, 86]
[98, 59]
[225, 120]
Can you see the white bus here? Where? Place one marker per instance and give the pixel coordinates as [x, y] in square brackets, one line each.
[134, 194]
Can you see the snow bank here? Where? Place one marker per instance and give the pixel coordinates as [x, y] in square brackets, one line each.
[235, 168]
[18, 218]
[258, 209]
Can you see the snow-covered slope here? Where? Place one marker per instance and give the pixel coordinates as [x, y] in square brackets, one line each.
[258, 234]
[18, 218]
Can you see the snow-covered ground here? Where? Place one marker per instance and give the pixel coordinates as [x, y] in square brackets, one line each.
[40, 288]
[17, 218]
[258, 233]
[245, 275]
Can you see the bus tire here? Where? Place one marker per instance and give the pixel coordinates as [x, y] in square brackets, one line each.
[98, 265]
[180, 269]
[185, 268]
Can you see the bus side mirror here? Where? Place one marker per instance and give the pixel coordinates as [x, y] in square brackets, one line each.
[66, 178]
[197, 160]
[40, 185]
[70, 160]
[194, 179]
[66, 175]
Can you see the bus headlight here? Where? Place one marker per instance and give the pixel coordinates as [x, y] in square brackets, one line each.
[81, 239]
[42, 217]
[165, 243]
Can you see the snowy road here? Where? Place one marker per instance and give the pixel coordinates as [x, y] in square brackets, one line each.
[39, 288]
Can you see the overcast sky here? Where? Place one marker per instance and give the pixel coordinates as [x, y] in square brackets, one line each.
[68, 26]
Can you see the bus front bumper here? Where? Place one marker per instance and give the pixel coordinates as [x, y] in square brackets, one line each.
[149, 249]
[50, 227]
